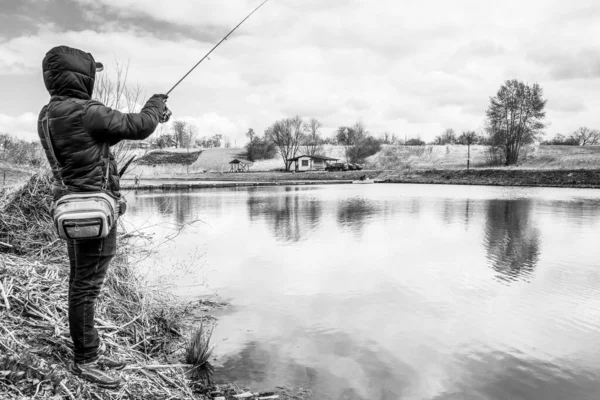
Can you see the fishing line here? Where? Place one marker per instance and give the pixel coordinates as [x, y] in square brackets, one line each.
[217, 45]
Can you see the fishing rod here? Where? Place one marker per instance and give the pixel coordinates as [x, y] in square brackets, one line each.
[217, 45]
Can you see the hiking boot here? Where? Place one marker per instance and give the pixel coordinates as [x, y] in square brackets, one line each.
[109, 363]
[92, 372]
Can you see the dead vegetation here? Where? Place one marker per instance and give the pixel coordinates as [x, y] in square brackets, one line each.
[139, 325]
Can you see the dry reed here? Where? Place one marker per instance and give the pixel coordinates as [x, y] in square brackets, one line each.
[137, 324]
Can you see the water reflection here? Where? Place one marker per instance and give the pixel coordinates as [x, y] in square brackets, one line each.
[496, 375]
[177, 205]
[385, 291]
[291, 213]
[355, 212]
[333, 366]
[511, 240]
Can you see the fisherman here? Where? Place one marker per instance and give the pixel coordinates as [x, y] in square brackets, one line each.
[79, 128]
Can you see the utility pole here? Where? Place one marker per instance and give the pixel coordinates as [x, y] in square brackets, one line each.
[468, 151]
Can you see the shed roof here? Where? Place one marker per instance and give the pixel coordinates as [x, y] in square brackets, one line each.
[314, 158]
[240, 161]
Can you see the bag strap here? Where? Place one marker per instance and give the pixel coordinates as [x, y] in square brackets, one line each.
[107, 158]
[54, 160]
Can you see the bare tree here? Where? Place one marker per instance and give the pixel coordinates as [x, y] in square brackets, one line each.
[447, 137]
[468, 138]
[190, 135]
[351, 136]
[180, 131]
[389, 138]
[251, 134]
[115, 92]
[312, 143]
[586, 136]
[286, 135]
[514, 118]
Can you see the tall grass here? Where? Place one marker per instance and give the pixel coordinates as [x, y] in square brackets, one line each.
[198, 352]
[137, 323]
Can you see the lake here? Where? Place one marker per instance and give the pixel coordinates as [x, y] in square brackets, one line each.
[390, 291]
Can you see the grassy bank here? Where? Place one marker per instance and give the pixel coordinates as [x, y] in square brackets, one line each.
[582, 178]
[262, 176]
[137, 324]
[156, 333]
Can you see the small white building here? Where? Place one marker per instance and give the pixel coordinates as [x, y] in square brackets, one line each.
[310, 163]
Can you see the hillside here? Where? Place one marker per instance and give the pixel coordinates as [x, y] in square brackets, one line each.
[169, 157]
[455, 157]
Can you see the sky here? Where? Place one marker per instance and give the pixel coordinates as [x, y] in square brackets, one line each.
[413, 68]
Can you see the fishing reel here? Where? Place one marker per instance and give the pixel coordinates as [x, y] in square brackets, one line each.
[166, 114]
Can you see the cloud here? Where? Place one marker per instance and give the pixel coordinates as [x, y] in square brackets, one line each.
[23, 126]
[567, 64]
[566, 104]
[481, 48]
[414, 69]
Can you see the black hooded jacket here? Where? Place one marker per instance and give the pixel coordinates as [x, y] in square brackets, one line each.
[80, 127]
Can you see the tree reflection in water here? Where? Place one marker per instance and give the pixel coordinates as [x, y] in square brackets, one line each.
[354, 212]
[291, 213]
[511, 240]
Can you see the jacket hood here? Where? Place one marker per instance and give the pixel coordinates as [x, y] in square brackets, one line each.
[69, 72]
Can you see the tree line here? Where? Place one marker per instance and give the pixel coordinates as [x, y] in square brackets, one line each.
[583, 136]
[21, 152]
[184, 135]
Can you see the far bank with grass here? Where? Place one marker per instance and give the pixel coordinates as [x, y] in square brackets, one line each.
[582, 178]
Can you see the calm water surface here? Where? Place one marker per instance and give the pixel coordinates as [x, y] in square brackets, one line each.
[391, 291]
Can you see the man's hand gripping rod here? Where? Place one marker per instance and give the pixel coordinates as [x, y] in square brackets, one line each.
[167, 113]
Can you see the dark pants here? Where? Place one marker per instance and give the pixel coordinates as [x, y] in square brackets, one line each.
[89, 261]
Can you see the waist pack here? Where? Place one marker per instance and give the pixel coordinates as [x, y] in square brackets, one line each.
[82, 215]
[85, 215]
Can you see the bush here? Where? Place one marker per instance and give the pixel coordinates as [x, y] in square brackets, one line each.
[562, 140]
[414, 142]
[363, 149]
[260, 149]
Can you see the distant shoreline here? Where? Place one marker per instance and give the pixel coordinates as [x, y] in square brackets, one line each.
[562, 178]
[582, 178]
